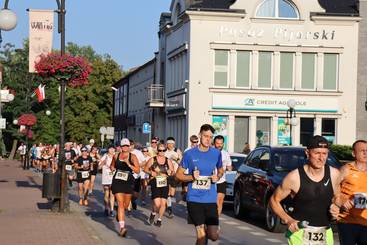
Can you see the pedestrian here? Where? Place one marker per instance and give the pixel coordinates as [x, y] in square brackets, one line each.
[83, 165]
[95, 158]
[159, 168]
[22, 150]
[175, 155]
[125, 164]
[246, 149]
[153, 146]
[227, 166]
[351, 203]
[107, 176]
[144, 176]
[204, 164]
[137, 177]
[312, 187]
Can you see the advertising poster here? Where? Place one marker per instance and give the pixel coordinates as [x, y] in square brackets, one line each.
[220, 124]
[284, 137]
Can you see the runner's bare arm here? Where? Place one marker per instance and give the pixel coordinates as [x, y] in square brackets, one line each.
[289, 185]
[171, 168]
[338, 200]
[135, 164]
[181, 176]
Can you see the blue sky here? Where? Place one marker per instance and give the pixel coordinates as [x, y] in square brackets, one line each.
[127, 30]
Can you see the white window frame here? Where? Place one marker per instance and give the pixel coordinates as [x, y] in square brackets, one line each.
[277, 11]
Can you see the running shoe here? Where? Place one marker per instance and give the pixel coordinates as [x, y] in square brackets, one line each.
[158, 223]
[151, 219]
[170, 213]
[123, 232]
[106, 212]
[113, 213]
[133, 204]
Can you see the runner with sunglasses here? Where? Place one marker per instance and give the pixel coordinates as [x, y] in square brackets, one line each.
[153, 146]
[83, 165]
[125, 164]
[144, 176]
[159, 168]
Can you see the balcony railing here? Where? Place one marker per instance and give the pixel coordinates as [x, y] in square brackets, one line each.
[155, 95]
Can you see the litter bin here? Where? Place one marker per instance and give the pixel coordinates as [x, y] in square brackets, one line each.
[51, 185]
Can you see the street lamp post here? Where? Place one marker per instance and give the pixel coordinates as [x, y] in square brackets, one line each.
[8, 21]
[291, 118]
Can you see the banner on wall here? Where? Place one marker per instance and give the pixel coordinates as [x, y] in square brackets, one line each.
[220, 124]
[41, 27]
[284, 136]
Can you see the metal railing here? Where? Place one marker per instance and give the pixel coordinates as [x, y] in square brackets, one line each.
[155, 93]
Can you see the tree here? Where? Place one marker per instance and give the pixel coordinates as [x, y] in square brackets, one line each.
[87, 108]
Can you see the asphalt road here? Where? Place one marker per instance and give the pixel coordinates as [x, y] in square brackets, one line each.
[173, 231]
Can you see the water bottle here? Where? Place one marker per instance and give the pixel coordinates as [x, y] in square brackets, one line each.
[300, 224]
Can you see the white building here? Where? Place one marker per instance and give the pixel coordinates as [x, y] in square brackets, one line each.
[235, 64]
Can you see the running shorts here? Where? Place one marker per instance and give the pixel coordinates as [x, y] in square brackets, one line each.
[202, 213]
[221, 188]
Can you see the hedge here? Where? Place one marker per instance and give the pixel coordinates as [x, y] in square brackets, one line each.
[342, 152]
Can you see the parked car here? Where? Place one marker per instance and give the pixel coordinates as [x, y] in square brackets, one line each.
[237, 160]
[261, 173]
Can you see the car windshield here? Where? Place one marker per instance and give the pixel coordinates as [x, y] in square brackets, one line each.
[236, 162]
[288, 159]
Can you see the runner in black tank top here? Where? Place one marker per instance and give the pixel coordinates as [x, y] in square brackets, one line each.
[312, 201]
[122, 183]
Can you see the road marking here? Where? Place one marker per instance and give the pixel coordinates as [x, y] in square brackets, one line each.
[231, 223]
[244, 228]
[273, 240]
[221, 218]
[257, 233]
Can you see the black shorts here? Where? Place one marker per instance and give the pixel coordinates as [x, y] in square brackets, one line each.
[121, 186]
[161, 192]
[221, 188]
[95, 169]
[202, 213]
[137, 185]
[79, 177]
[172, 182]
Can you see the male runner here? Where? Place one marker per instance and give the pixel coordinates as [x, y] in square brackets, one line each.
[312, 188]
[202, 162]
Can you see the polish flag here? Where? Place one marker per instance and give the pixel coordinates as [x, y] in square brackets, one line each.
[40, 92]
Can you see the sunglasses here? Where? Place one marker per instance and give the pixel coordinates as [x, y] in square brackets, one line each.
[154, 142]
[160, 150]
[194, 142]
[144, 151]
[125, 145]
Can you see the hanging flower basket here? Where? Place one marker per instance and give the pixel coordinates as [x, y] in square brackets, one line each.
[27, 120]
[75, 70]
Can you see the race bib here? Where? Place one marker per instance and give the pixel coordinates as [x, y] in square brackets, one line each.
[314, 236]
[360, 200]
[85, 174]
[68, 167]
[161, 181]
[122, 175]
[202, 183]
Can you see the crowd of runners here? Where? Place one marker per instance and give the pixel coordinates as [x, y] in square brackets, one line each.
[321, 194]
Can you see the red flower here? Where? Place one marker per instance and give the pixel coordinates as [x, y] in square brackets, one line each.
[27, 120]
[75, 70]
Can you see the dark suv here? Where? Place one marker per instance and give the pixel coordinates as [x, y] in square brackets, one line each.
[263, 170]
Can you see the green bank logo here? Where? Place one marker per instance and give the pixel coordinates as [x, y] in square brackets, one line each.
[249, 102]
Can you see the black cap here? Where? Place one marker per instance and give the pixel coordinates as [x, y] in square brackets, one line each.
[317, 141]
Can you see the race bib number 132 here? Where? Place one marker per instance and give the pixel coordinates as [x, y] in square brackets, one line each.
[314, 236]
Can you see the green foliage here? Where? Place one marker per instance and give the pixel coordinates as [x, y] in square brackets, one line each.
[342, 152]
[87, 108]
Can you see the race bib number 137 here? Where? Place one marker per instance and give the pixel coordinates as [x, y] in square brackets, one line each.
[360, 200]
[202, 183]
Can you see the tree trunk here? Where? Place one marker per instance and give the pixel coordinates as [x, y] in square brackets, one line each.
[13, 149]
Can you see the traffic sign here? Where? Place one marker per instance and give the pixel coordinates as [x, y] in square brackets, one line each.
[146, 128]
[2, 123]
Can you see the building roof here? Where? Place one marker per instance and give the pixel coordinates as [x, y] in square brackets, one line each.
[340, 7]
[211, 4]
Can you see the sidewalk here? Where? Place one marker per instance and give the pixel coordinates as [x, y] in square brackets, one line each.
[25, 217]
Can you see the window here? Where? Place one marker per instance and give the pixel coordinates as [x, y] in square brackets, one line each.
[124, 100]
[265, 71]
[328, 129]
[117, 100]
[330, 71]
[243, 69]
[277, 9]
[263, 132]
[286, 70]
[308, 70]
[241, 137]
[307, 130]
[254, 159]
[221, 68]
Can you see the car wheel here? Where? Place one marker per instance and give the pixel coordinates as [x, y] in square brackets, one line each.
[239, 210]
[273, 222]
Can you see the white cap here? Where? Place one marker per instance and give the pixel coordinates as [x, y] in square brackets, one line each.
[125, 141]
[91, 141]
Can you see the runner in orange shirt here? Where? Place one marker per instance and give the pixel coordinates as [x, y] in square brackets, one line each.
[350, 206]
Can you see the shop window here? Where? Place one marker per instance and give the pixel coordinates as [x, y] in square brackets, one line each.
[307, 130]
[277, 9]
[221, 68]
[265, 69]
[241, 136]
[330, 71]
[308, 70]
[328, 129]
[243, 69]
[286, 70]
[263, 130]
